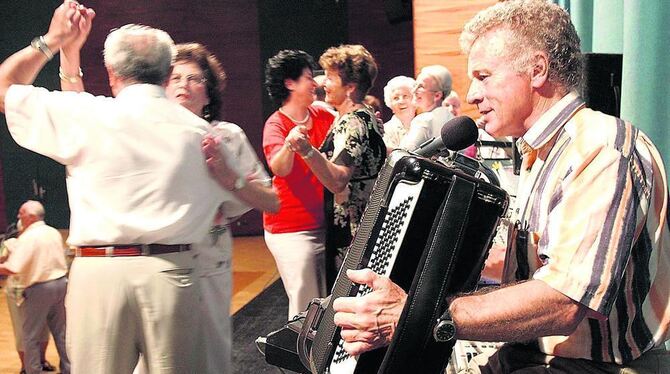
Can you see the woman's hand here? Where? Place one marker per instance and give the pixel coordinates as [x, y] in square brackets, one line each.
[298, 140]
[216, 163]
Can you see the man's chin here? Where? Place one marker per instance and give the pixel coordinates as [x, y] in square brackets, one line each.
[493, 129]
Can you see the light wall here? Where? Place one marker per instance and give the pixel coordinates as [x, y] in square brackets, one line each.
[437, 26]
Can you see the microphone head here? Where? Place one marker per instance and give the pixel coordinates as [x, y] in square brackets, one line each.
[459, 133]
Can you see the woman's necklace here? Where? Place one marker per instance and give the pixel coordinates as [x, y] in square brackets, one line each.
[302, 122]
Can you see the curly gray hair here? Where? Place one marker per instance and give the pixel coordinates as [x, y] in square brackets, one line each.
[394, 83]
[535, 25]
[140, 53]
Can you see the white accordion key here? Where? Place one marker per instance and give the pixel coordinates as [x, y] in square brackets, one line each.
[384, 253]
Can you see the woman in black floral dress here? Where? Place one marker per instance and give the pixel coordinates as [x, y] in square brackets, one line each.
[353, 153]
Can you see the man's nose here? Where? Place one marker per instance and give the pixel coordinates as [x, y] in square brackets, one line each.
[474, 93]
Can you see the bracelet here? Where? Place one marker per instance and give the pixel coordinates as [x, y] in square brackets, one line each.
[68, 78]
[39, 44]
[309, 154]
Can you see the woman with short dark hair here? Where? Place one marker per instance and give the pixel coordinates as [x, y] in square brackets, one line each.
[296, 234]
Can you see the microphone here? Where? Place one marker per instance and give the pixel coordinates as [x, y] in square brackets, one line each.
[458, 133]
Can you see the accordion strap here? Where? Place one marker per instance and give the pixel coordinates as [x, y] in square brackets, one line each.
[313, 316]
[427, 297]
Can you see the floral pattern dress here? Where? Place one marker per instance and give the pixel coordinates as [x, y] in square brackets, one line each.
[355, 141]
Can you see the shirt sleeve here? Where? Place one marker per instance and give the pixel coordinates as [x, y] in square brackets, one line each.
[591, 225]
[242, 157]
[350, 143]
[7, 247]
[274, 136]
[419, 132]
[391, 134]
[51, 123]
[20, 253]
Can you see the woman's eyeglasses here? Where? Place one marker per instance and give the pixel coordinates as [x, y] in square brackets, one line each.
[191, 79]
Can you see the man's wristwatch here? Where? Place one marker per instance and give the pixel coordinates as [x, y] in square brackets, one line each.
[240, 183]
[445, 329]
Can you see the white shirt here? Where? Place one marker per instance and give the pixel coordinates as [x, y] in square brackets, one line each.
[135, 168]
[394, 131]
[424, 127]
[37, 255]
[241, 157]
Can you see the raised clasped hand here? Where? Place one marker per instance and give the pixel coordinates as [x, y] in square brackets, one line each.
[369, 322]
[298, 139]
[71, 21]
[85, 24]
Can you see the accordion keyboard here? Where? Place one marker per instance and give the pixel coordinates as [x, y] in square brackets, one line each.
[384, 253]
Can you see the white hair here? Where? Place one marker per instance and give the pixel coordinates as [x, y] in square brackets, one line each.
[140, 53]
[441, 76]
[34, 208]
[394, 83]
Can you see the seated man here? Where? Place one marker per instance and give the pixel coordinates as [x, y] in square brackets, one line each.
[591, 291]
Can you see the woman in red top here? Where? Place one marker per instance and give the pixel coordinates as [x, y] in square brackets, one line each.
[296, 234]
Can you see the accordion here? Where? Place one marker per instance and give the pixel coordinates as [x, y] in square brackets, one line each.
[428, 227]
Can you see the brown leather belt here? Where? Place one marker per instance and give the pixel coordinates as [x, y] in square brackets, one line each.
[130, 250]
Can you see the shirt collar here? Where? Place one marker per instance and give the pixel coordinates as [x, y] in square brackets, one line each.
[33, 225]
[550, 122]
[142, 89]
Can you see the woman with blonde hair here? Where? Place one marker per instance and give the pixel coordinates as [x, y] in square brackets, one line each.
[353, 153]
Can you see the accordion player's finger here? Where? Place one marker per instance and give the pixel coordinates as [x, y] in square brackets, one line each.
[364, 276]
[344, 306]
[356, 348]
[352, 335]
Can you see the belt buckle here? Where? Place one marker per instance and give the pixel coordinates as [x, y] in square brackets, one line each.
[145, 249]
[109, 251]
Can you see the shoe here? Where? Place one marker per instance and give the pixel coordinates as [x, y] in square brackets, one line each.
[46, 366]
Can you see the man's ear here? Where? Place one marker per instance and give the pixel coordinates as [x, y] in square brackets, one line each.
[112, 76]
[539, 74]
[439, 97]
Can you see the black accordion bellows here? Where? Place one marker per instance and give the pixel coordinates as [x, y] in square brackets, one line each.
[428, 227]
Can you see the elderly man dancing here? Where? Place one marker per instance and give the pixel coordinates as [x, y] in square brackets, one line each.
[140, 193]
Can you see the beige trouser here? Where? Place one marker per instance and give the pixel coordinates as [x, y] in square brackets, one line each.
[213, 259]
[300, 258]
[214, 264]
[118, 307]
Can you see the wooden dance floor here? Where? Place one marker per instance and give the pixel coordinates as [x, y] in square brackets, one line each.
[253, 271]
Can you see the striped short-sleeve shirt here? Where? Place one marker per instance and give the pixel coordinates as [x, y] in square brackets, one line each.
[596, 202]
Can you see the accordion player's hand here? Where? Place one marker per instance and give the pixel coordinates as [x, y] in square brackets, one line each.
[369, 322]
